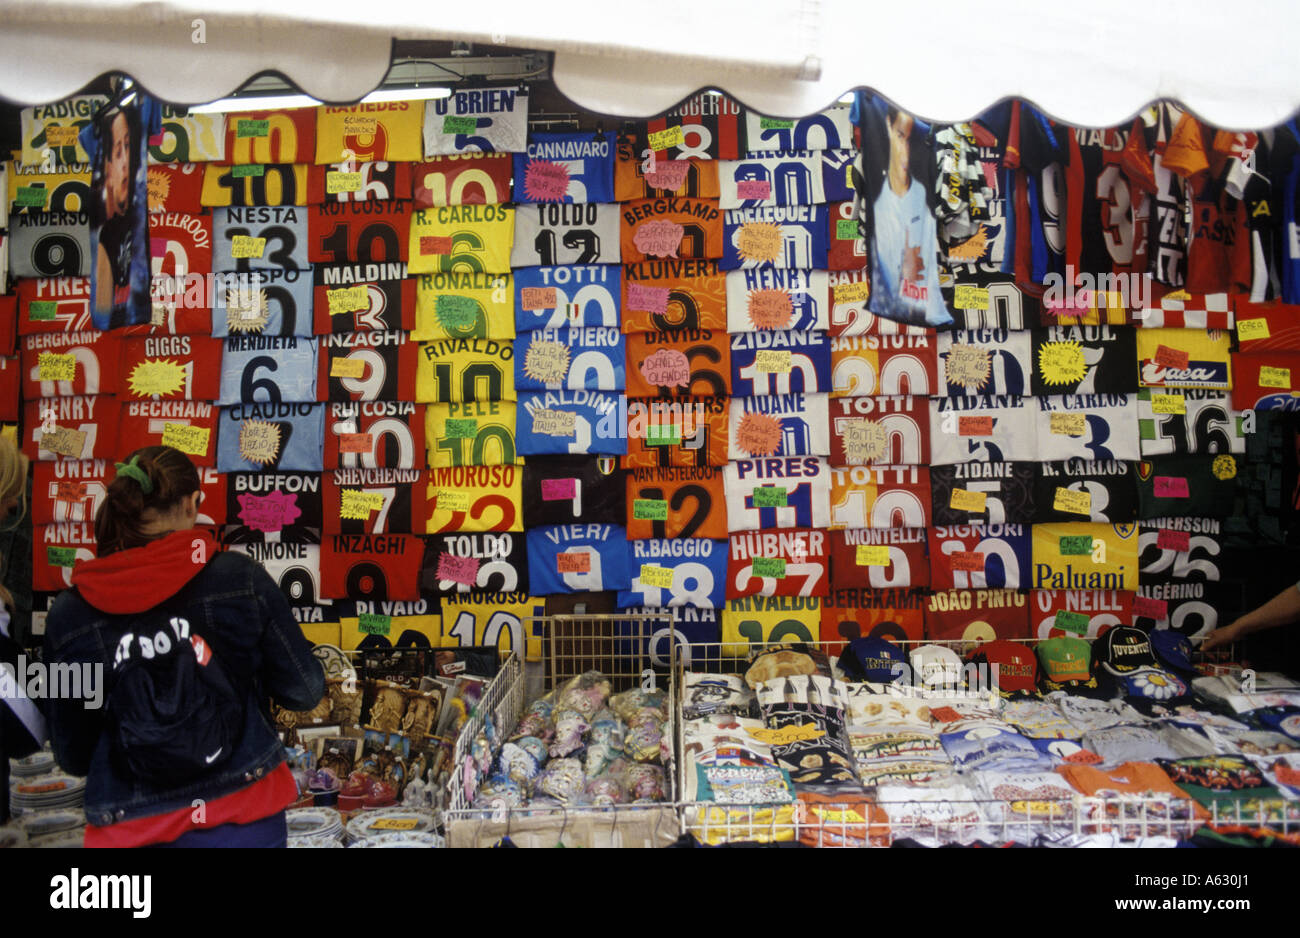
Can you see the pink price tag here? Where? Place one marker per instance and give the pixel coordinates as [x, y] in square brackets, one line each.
[1171, 487]
[269, 512]
[559, 490]
[463, 570]
[647, 299]
[1173, 540]
[1151, 608]
[545, 181]
[668, 175]
[753, 189]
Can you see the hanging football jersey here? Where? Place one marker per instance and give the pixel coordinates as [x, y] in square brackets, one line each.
[478, 433]
[669, 295]
[1183, 358]
[777, 563]
[368, 366]
[461, 239]
[977, 615]
[681, 363]
[179, 244]
[480, 120]
[780, 363]
[571, 357]
[349, 498]
[54, 127]
[176, 188]
[775, 492]
[268, 368]
[566, 167]
[977, 556]
[383, 130]
[371, 566]
[61, 364]
[1084, 360]
[556, 422]
[465, 370]
[1083, 555]
[984, 361]
[70, 489]
[982, 492]
[552, 297]
[671, 227]
[477, 619]
[1267, 327]
[40, 187]
[463, 179]
[49, 244]
[283, 504]
[568, 489]
[870, 365]
[879, 558]
[189, 426]
[880, 497]
[1106, 230]
[253, 185]
[287, 136]
[56, 548]
[575, 558]
[1188, 421]
[893, 430]
[1180, 549]
[1110, 486]
[1089, 613]
[706, 126]
[375, 434]
[1263, 381]
[680, 432]
[389, 630]
[1108, 428]
[57, 304]
[273, 238]
[464, 305]
[896, 615]
[779, 425]
[288, 437]
[1191, 609]
[293, 564]
[461, 563]
[475, 498]
[358, 182]
[691, 572]
[73, 427]
[784, 236]
[771, 179]
[1182, 486]
[769, 298]
[846, 248]
[364, 232]
[676, 502]
[755, 621]
[997, 428]
[363, 298]
[264, 302]
[186, 137]
[548, 234]
[637, 177]
[830, 129]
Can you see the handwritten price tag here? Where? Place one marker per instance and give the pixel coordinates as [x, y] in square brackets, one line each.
[67, 491]
[372, 623]
[747, 189]
[663, 139]
[51, 367]
[244, 246]
[1168, 357]
[462, 428]
[1072, 502]
[1076, 544]
[1151, 608]
[1275, 377]
[573, 562]
[347, 368]
[1250, 329]
[336, 182]
[1170, 487]
[769, 566]
[357, 505]
[456, 312]
[243, 171]
[1173, 540]
[1168, 404]
[770, 496]
[846, 229]
[61, 556]
[434, 244]
[64, 440]
[647, 299]
[1075, 622]
[650, 509]
[968, 561]
[41, 310]
[463, 570]
[660, 577]
[347, 300]
[449, 500]
[1069, 424]
[252, 128]
[852, 292]
[966, 296]
[31, 197]
[559, 490]
[62, 136]
[772, 361]
[964, 500]
[872, 555]
[187, 439]
[355, 124]
[775, 123]
[356, 442]
[459, 125]
[535, 298]
[974, 426]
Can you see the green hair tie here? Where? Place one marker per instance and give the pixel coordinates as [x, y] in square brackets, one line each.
[132, 470]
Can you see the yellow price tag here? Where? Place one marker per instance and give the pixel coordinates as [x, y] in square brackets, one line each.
[1248, 329]
[357, 505]
[1275, 377]
[872, 555]
[1075, 503]
[336, 182]
[52, 367]
[347, 368]
[244, 246]
[395, 824]
[965, 500]
[661, 577]
[663, 139]
[771, 361]
[1168, 404]
[187, 439]
[966, 296]
[347, 299]
[852, 292]
[449, 500]
[1069, 424]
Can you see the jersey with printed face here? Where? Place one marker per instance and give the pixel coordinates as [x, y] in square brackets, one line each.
[684, 363]
[904, 561]
[53, 304]
[763, 620]
[362, 232]
[997, 428]
[384, 130]
[1059, 561]
[463, 179]
[380, 180]
[830, 129]
[1007, 487]
[896, 615]
[710, 129]
[389, 301]
[496, 563]
[771, 179]
[49, 244]
[371, 566]
[670, 228]
[556, 422]
[552, 297]
[269, 369]
[767, 298]
[779, 425]
[755, 502]
[293, 564]
[64, 189]
[83, 427]
[164, 423]
[1191, 609]
[1255, 388]
[980, 556]
[270, 238]
[263, 302]
[880, 497]
[684, 432]
[461, 239]
[566, 489]
[850, 291]
[1208, 423]
[289, 437]
[846, 247]
[1104, 609]
[1109, 429]
[276, 184]
[472, 433]
[977, 615]
[566, 167]
[550, 234]
[487, 120]
[802, 566]
[870, 365]
[375, 435]
[464, 306]
[574, 558]
[573, 358]
[1187, 486]
[1162, 559]
[671, 295]
[286, 505]
[392, 501]
[676, 502]
[640, 177]
[1207, 358]
[179, 244]
[465, 370]
[55, 550]
[893, 430]
[696, 574]
[1111, 486]
[368, 366]
[475, 498]
[272, 136]
[60, 364]
[987, 361]
[784, 236]
[1084, 360]
[780, 363]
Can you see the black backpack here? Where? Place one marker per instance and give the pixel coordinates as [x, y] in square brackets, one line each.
[174, 712]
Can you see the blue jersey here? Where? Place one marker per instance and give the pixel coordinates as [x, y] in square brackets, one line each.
[278, 233]
[262, 302]
[553, 422]
[253, 437]
[578, 558]
[571, 167]
[590, 358]
[830, 129]
[690, 626]
[551, 297]
[698, 567]
[268, 369]
[804, 236]
[780, 363]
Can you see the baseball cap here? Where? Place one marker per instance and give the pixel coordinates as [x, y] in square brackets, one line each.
[1066, 666]
[1123, 650]
[935, 666]
[873, 659]
[1017, 669]
[1173, 650]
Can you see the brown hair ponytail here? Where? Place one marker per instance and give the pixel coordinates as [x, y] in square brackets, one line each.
[171, 477]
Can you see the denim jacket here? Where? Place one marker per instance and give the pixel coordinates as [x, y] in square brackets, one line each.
[241, 613]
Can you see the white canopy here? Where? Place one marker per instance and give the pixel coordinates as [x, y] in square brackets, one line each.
[1093, 63]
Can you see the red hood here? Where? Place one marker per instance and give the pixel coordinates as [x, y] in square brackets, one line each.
[140, 578]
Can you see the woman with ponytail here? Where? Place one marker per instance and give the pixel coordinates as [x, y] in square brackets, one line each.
[182, 751]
